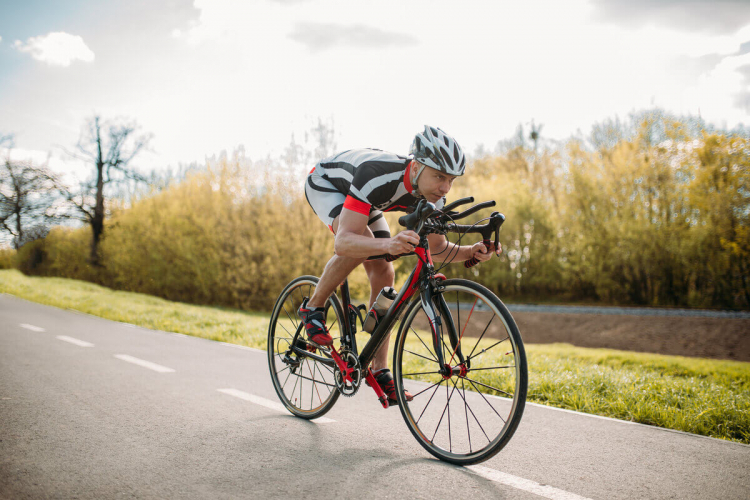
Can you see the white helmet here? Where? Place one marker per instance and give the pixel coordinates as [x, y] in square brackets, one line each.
[438, 150]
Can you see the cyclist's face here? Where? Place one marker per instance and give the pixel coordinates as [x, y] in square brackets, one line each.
[434, 184]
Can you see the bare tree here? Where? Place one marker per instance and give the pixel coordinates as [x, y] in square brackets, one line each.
[109, 146]
[29, 199]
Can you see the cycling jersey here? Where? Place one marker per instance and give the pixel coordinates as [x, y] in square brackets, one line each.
[366, 180]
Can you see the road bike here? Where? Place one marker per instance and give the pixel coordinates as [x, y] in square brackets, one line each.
[458, 350]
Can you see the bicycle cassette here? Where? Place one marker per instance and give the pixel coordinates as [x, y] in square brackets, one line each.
[348, 389]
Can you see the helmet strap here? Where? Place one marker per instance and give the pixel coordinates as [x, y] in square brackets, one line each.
[416, 177]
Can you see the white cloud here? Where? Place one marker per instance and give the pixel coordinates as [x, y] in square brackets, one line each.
[721, 94]
[71, 170]
[56, 49]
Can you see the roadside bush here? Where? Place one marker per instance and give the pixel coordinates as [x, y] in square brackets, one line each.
[32, 257]
[7, 258]
[656, 217]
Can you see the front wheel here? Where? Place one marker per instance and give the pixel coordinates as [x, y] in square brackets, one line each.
[467, 410]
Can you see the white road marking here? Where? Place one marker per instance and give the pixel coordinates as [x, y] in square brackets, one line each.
[77, 342]
[144, 363]
[524, 484]
[237, 346]
[32, 327]
[268, 403]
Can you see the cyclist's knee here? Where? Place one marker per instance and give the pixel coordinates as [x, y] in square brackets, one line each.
[380, 273]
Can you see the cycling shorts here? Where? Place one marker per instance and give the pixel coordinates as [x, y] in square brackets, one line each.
[327, 203]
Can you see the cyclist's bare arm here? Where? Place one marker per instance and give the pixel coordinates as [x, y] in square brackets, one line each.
[443, 250]
[352, 241]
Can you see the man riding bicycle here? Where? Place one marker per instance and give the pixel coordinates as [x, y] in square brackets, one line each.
[350, 191]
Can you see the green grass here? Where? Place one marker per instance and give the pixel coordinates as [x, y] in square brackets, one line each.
[214, 323]
[700, 396]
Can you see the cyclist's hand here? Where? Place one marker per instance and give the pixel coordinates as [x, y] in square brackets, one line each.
[482, 253]
[403, 242]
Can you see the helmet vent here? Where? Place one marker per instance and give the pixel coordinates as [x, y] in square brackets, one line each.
[446, 156]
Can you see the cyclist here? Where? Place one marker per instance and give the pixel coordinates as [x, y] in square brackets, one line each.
[349, 192]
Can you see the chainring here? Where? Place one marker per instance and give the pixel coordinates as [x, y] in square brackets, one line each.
[345, 388]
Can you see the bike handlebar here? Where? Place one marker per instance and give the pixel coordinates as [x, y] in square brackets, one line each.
[421, 222]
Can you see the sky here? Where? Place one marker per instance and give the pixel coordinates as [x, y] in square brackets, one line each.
[206, 76]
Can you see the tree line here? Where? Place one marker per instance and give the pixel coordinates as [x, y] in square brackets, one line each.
[653, 210]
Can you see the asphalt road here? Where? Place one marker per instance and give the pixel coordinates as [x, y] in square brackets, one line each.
[84, 415]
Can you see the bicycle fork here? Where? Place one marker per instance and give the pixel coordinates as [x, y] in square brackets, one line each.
[436, 326]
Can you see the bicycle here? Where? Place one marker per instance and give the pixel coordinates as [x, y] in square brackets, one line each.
[487, 387]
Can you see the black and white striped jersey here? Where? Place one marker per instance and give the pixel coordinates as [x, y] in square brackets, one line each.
[371, 179]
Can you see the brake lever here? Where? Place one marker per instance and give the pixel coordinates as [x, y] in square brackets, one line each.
[496, 219]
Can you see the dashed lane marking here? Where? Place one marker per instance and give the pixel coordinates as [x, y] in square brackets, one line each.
[144, 363]
[32, 327]
[81, 343]
[520, 483]
[268, 403]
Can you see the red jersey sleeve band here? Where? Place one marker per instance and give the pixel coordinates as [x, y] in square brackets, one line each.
[358, 206]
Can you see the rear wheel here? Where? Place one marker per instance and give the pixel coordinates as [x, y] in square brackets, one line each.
[469, 413]
[302, 375]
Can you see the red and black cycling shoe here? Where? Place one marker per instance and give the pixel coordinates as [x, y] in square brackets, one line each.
[315, 325]
[385, 380]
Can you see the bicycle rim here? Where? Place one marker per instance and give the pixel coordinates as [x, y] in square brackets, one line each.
[304, 384]
[470, 416]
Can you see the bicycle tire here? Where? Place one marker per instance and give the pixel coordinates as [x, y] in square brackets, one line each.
[413, 350]
[314, 376]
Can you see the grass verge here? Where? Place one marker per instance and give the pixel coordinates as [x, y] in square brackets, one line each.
[701, 396]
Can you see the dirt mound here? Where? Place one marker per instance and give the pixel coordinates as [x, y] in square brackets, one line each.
[716, 338]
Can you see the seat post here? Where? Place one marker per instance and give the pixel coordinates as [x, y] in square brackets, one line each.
[350, 318]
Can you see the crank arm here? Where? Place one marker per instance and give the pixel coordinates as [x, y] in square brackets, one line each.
[370, 378]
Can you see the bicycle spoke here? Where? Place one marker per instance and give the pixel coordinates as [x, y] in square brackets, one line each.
[488, 387]
[425, 345]
[433, 385]
[472, 382]
[315, 389]
[282, 371]
[301, 384]
[464, 330]
[458, 313]
[295, 323]
[492, 368]
[480, 337]
[466, 403]
[490, 347]
[442, 414]
[422, 373]
[423, 357]
[429, 401]
[303, 377]
[450, 441]
[466, 411]
[322, 378]
[287, 331]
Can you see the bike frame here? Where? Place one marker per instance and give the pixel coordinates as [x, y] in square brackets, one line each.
[423, 278]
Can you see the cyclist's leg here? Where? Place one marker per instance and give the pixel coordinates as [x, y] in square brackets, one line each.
[327, 203]
[338, 268]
